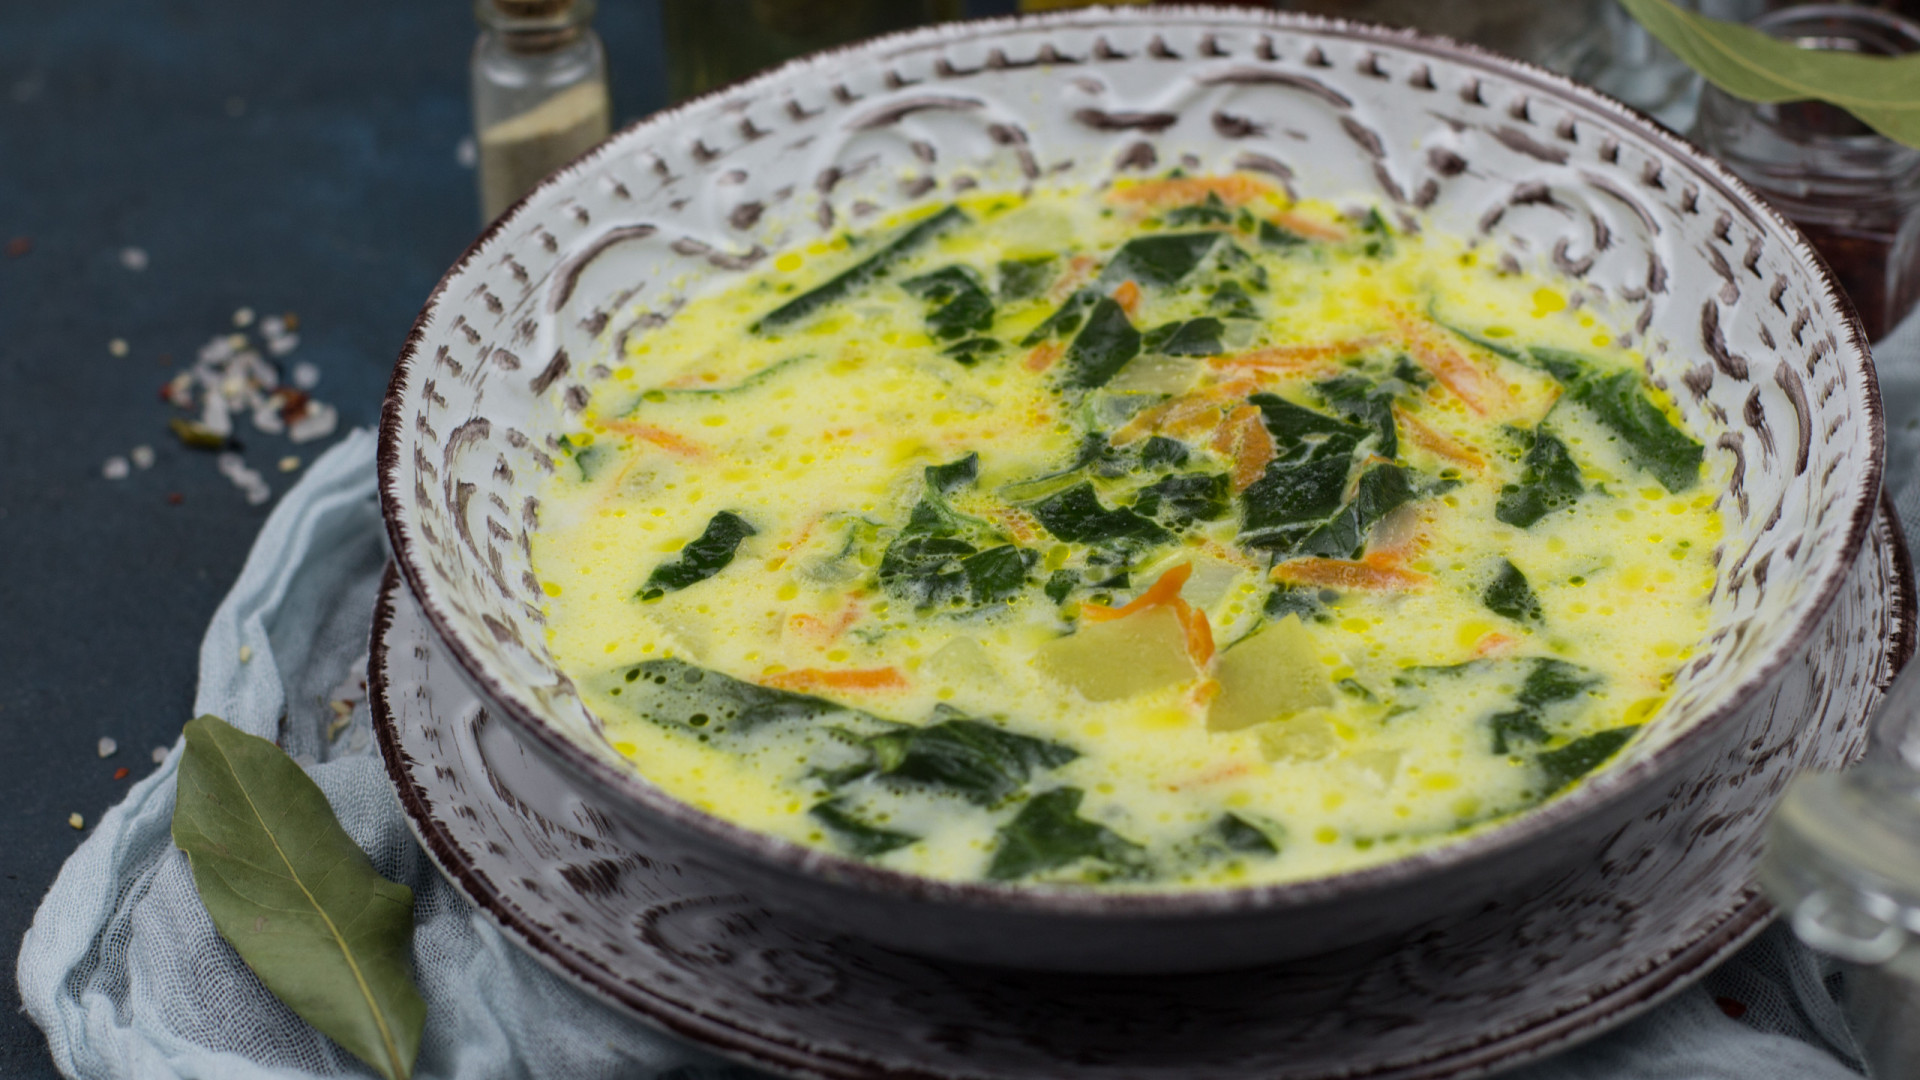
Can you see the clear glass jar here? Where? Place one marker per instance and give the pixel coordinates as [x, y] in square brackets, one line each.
[1849, 189]
[1843, 866]
[539, 93]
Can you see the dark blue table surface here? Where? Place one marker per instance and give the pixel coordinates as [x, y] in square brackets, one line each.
[278, 155]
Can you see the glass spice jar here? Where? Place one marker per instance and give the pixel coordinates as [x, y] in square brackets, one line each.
[1849, 189]
[539, 93]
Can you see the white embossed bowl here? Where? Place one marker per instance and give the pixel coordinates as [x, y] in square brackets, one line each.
[1738, 316]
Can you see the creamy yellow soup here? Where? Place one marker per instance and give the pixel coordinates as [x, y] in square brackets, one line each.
[1168, 535]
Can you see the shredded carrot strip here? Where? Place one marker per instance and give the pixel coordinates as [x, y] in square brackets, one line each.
[1199, 636]
[1079, 269]
[885, 678]
[1043, 356]
[1234, 190]
[1243, 436]
[1298, 357]
[1308, 227]
[821, 631]
[1164, 590]
[1128, 296]
[1144, 423]
[1470, 381]
[1438, 441]
[660, 437]
[1372, 575]
[1214, 775]
[1493, 644]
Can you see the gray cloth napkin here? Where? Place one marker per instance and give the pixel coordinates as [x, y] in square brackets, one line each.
[123, 970]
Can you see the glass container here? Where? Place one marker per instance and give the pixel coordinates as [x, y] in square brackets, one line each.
[1843, 866]
[1849, 189]
[539, 93]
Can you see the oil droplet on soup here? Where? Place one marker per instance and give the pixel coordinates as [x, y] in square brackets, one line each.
[1172, 535]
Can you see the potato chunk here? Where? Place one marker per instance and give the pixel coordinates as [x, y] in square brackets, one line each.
[1107, 661]
[1271, 675]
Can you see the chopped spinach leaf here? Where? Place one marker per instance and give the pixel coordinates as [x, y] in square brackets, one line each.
[1194, 337]
[1023, 279]
[1515, 725]
[591, 459]
[1366, 404]
[1062, 584]
[1494, 347]
[857, 836]
[978, 761]
[700, 559]
[1159, 260]
[961, 303]
[926, 570]
[1380, 242]
[1231, 301]
[1161, 452]
[1066, 319]
[997, 573]
[1287, 600]
[1076, 516]
[676, 694]
[1240, 835]
[1049, 833]
[1103, 346]
[1292, 494]
[931, 516]
[1568, 367]
[1293, 425]
[954, 475]
[1581, 756]
[1211, 212]
[969, 352]
[1409, 372]
[1383, 489]
[1652, 440]
[1183, 498]
[1549, 682]
[1276, 236]
[859, 275]
[1510, 595]
[1551, 480]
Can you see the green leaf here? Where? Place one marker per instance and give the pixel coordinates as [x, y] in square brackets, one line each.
[1103, 346]
[1570, 368]
[1551, 480]
[997, 573]
[1240, 835]
[1023, 279]
[1548, 683]
[1211, 212]
[859, 275]
[1184, 498]
[1295, 425]
[1062, 584]
[970, 352]
[1382, 490]
[1193, 337]
[962, 305]
[981, 762]
[1290, 497]
[1274, 236]
[1160, 452]
[676, 694]
[1231, 301]
[1510, 595]
[1049, 833]
[701, 559]
[1159, 260]
[1883, 92]
[1287, 600]
[1581, 756]
[1066, 319]
[1370, 406]
[295, 897]
[1076, 516]
[861, 838]
[591, 459]
[954, 475]
[1652, 440]
[927, 571]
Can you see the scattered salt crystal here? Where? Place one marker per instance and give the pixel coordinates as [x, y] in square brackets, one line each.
[246, 653]
[133, 258]
[306, 376]
[179, 390]
[159, 754]
[289, 463]
[243, 317]
[107, 747]
[115, 468]
[76, 821]
[273, 326]
[266, 416]
[118, 346]
[318, 423]
[237, 341]
[282, 344]
[467, 153]
[143, 457]
[215, 417]
[252, 484]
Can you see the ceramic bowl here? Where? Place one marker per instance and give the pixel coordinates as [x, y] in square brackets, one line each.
[1738, 317]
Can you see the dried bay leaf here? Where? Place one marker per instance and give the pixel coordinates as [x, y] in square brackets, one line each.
[1882, 92]
[296, 897]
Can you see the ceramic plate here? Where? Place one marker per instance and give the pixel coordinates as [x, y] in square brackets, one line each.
[1516, 980]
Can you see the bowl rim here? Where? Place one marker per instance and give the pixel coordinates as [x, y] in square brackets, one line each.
[1528, 826]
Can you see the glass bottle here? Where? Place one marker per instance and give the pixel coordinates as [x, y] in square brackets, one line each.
[1849, 189]
[539, 93]
[1843, 866]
